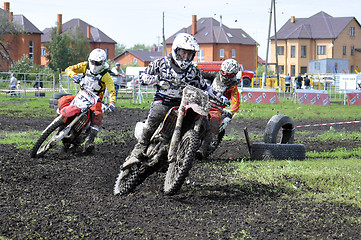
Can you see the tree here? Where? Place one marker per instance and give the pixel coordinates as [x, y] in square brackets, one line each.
[141, 47]
[57, 51]
[119, 49]
[66, 49]
[25, 65]
[79, 45]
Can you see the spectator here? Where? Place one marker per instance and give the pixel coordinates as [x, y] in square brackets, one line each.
[307, 82]
[19, 88]
[299, 80]
[38, 83]
[288, 83]
[118, 77]
[12, 85]
[325, 83]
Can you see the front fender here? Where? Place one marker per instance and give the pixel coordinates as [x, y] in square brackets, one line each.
[70, 111]
[201, 110]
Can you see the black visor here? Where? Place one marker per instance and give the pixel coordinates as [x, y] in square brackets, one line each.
[96, 63]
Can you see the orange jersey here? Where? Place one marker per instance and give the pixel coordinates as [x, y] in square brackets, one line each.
[233, 95]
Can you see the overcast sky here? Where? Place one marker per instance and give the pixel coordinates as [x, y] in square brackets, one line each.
[140, 21]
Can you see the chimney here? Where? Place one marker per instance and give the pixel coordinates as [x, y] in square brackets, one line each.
[293, 19]
[7, 6]
[88, 34]
[59, 27]
[194, 24]
[220, 22]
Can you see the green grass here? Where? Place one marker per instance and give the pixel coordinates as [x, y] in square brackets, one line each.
[26, 140]
[39, 107]
[298, 111]
[317, 179]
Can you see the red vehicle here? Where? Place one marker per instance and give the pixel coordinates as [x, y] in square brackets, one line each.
[244, 76]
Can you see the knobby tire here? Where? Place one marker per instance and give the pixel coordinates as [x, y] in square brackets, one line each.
[179, 169]
[54, 127]
[127, 183]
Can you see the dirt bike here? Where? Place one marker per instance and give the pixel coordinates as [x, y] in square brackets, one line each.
[70, 127]
[214, 143]
[172, 147]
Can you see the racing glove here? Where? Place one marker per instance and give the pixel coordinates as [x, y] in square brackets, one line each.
[76, 79]
[112, 106]
[227, 113]
[224, 101]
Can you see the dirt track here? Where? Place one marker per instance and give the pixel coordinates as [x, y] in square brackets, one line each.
[71, 196]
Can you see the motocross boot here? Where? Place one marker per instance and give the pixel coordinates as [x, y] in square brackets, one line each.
[89, 141]
[206, 147]
[139, 150]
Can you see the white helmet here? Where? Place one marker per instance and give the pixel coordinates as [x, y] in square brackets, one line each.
[97, 59]
[229, 70]
[187, 42]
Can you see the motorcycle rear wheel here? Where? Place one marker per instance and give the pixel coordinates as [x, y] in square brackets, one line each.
[47, 138]
[179, 169]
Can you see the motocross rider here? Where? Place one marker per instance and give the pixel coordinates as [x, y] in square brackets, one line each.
[176, 68]
[224, 82]
[96, 78]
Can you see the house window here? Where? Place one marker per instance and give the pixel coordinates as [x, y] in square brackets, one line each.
[352, 31]
[321, 50]
[352, 69]
[293, 70]
[135, 61]
[201, 55]
[43, 52]
[233, 53]
[31, 49]
[303, 51]
[344, 50]
[106, 52]
[293, 51]
[303, 70]
[352, 50]
[317, 65]
[281, 69]
[281, 50]
[221, 53]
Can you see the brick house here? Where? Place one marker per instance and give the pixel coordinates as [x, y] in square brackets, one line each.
[320, 36]
[96, 38]
[142, 58]
[27, 42]
[218, 42]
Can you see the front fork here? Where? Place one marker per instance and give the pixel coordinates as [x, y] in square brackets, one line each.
[172, 153]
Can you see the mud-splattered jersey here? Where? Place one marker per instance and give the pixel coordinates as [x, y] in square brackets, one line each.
[170, 92]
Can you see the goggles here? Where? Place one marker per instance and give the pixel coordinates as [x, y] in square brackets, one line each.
[96, 63]
[228, 75]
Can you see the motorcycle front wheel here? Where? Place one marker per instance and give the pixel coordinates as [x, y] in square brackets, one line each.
[47, 139]
[128, 180]
[179, 169]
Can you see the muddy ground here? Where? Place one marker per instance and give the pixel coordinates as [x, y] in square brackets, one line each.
[70, 196]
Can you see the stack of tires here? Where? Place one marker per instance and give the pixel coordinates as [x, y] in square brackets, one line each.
[53, 102]
[278, 145]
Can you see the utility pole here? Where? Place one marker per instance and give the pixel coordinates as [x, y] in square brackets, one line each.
[164, 45]
[273, 6]
[277, 69]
